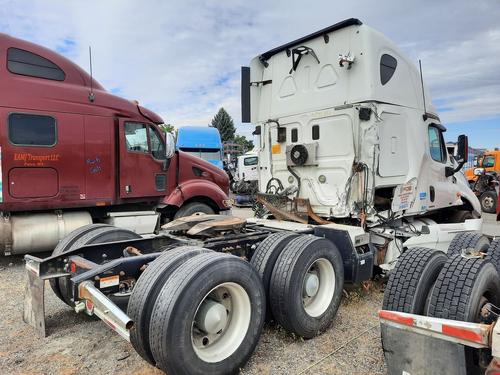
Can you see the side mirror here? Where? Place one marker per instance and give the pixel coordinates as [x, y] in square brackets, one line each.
[169, 145]
[478, 171]
[462, 149]
[461, 157]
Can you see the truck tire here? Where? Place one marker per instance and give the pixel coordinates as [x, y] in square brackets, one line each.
[264, 259]
[65, 245]
[463, 287]
[493, 253]
[146, 291]
[208, 316]
[99, 235]
[193, 208]
[411, 281]
[468, 241]
[306, 285]
[488, 202]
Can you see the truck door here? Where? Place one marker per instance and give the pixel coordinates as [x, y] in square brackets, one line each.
[142, 160]
[443, 190]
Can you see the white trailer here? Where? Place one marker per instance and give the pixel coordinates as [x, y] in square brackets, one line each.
[346, 124]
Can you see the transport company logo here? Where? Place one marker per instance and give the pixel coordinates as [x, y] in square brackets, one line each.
[27, 157]
[31, 160]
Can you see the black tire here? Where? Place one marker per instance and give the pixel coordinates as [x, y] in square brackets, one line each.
[193, 208]
[488, 202]
[265, 256]
[493, 253]
[99, 235]
[288, 281]
[463, 286]
[65, 245]
[412, 280]
[178, 302]
[468, 242]
[146, 291]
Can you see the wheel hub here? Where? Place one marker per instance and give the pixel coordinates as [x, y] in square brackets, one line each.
[211, 317]
[221, 322]
[311, 285]
[488, 202]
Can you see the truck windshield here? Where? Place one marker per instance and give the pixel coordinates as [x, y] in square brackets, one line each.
[205, 154]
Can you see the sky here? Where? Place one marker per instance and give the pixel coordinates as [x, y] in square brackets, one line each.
[182, 59]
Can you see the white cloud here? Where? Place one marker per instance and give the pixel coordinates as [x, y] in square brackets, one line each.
[182, 59]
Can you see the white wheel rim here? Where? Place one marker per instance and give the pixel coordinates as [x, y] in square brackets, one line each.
[316, 304]
[215, 347]
[488, 202]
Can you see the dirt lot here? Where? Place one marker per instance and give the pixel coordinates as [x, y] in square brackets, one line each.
[78, 344]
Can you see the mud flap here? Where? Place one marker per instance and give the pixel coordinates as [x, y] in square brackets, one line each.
[34, 305]
[409, 353]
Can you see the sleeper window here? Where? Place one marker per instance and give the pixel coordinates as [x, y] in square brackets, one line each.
[30, 64]
[315, 132]
[136, 137]
[32, 130]
[388, 66]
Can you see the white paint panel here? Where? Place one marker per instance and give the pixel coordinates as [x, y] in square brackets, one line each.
[393, 159]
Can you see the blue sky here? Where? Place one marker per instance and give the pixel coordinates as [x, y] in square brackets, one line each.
[482, 133]
[182, 58]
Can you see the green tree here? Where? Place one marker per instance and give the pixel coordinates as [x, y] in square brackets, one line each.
[224, 123]
[246, 145]
[167, 128]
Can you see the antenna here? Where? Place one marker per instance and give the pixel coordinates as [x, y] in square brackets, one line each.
[423, 91]
[91, 94]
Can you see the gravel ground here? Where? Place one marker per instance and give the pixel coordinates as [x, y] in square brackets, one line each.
[78, 344]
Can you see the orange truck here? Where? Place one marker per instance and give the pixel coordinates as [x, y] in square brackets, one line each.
[490, 161]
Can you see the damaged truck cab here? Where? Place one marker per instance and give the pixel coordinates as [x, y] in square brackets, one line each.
[345, 122]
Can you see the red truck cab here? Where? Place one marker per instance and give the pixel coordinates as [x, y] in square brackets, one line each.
[69, 147]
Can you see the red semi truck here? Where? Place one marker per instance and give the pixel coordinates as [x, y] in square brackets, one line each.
[72, 154]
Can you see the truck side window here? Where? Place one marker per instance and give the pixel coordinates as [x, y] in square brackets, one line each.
[489, 162]
[32, 130]
[30, 64]
[436, 144]
[136, 137]
[254, 160]
[295, 135]
[157, 144]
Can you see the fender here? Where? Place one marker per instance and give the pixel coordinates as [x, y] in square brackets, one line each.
[194, 188]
